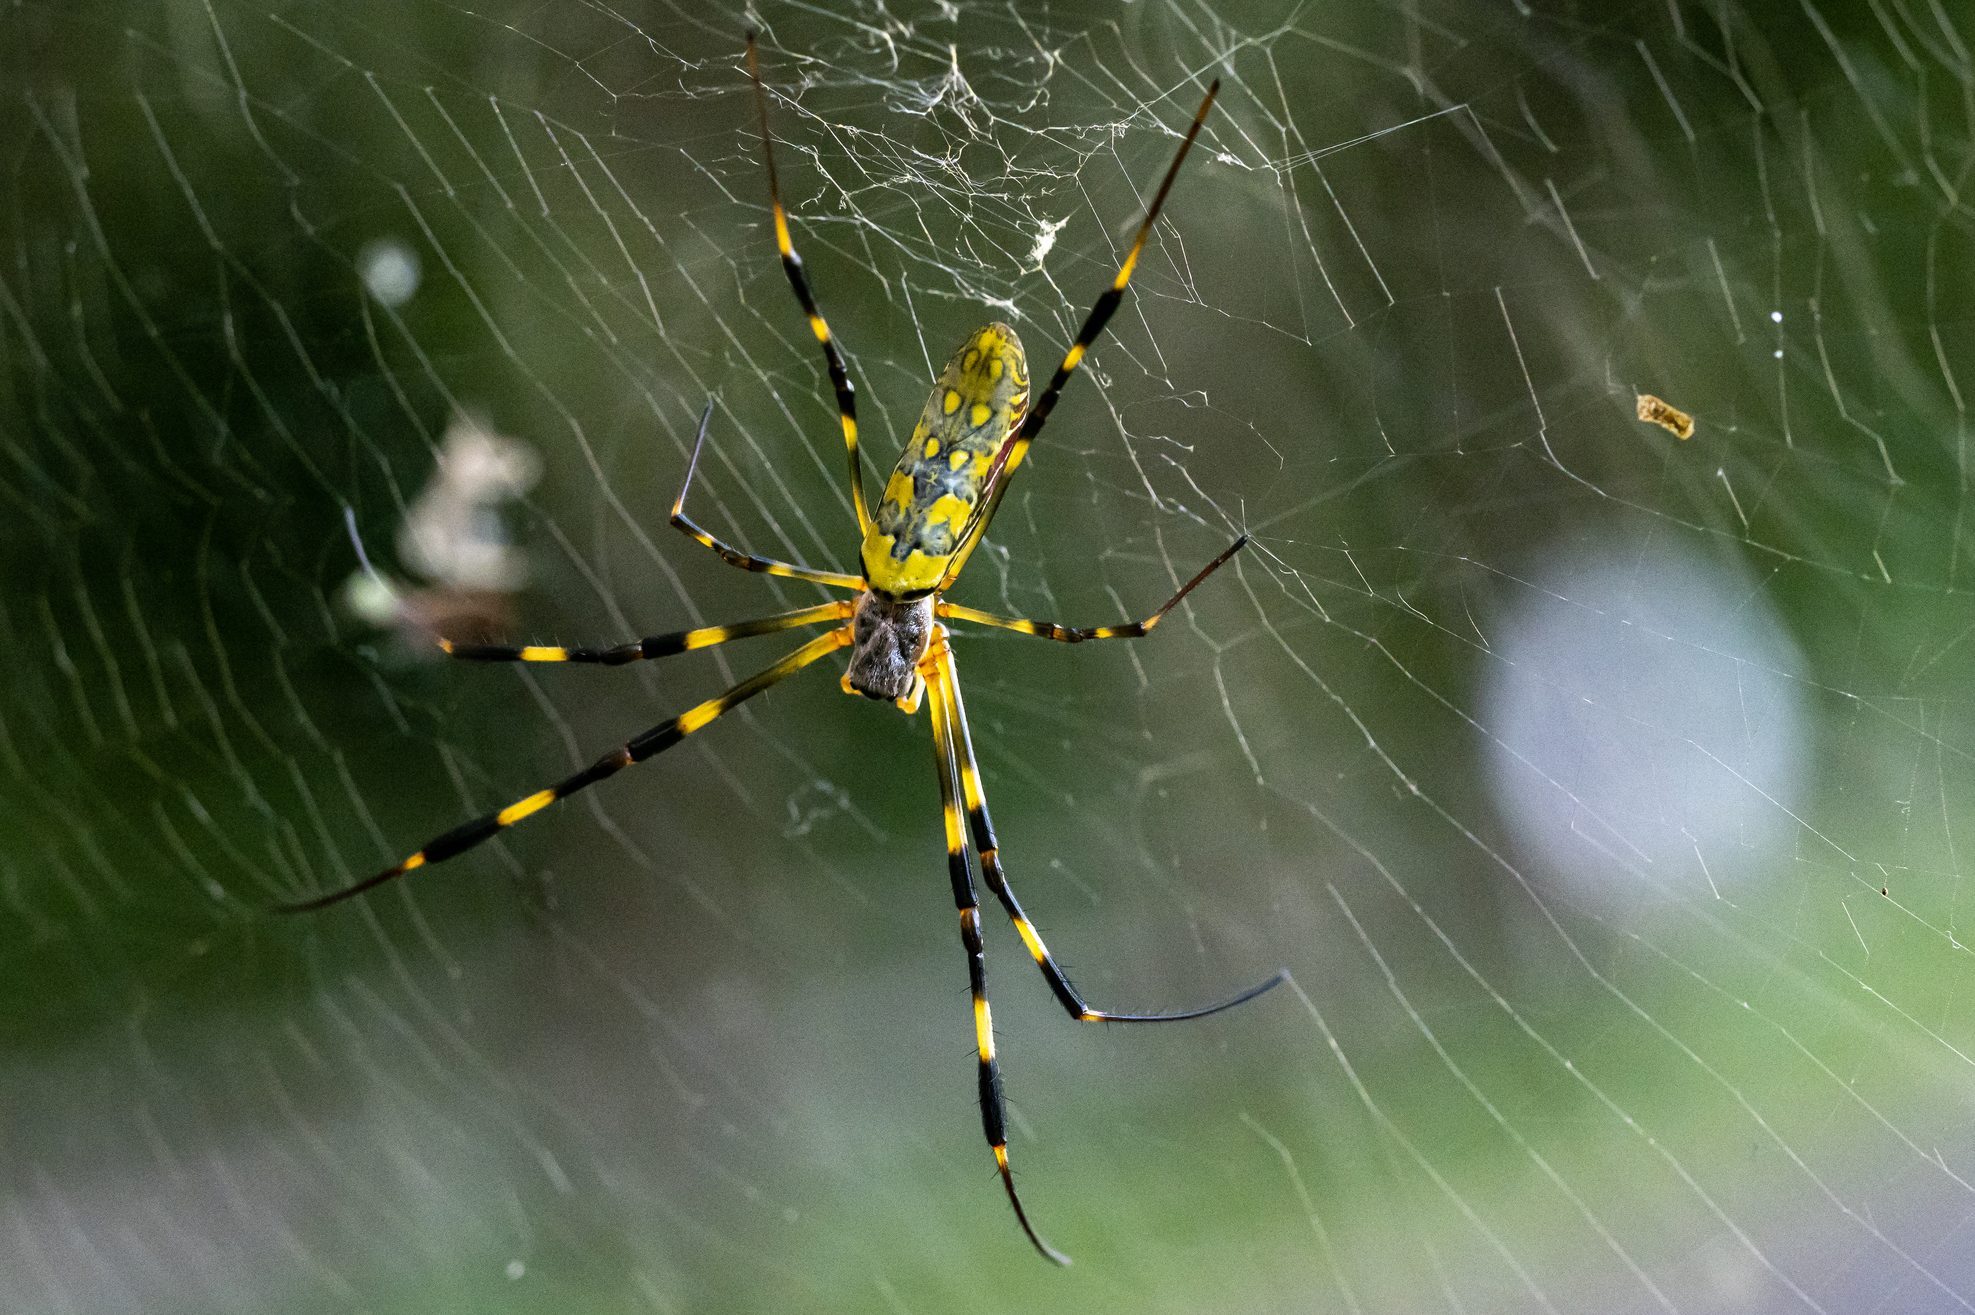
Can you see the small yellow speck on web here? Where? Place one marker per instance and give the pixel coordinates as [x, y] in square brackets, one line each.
[979, 415]
[1668, 417]
[951, 402]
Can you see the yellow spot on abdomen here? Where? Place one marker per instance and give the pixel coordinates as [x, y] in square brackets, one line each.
[979, 415]
[951, 510]
[951, 403]
[534, 803]
[932, 447]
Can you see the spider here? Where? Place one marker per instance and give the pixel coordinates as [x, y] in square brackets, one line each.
[973, 434]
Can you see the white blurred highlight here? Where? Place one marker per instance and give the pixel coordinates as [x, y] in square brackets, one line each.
[1647, 732]
[390, 271]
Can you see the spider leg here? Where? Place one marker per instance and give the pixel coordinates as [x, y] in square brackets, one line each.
[997, 880]
[734, 556]
[792, 266]
[1078, 634]
[1016, 448]
[959, 866]
[652, 646]
[654, 741]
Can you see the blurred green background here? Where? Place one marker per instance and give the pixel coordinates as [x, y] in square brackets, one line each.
[1606, 794]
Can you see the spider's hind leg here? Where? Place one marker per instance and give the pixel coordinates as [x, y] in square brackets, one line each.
[799, 282]
[727, 552]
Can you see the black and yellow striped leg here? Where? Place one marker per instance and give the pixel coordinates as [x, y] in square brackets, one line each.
[1078, 634]
[1016, 449]
[959, 869]
[1107, 304]
[652, 646]
[654, 741]
[792, 266]
[734, 556]
[984, 841]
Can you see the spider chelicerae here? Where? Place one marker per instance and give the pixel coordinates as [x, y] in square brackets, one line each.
[974, 433]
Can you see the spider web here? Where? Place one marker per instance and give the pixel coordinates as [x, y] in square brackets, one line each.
[1603, 791]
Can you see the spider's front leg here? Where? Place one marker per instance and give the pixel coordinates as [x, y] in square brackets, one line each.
[799, 283]
[960, 868]
[655, 741]
[947, 676]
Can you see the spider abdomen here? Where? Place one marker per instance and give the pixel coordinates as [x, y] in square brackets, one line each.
[918, 525]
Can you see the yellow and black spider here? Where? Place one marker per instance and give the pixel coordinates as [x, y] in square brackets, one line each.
[973, 434]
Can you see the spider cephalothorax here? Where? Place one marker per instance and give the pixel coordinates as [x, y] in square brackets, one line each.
[973, 433]
[888, 637]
